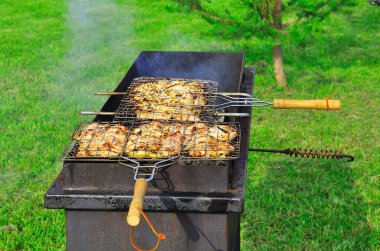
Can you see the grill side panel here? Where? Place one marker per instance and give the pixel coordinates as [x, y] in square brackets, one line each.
[107, 177]
[184, 231]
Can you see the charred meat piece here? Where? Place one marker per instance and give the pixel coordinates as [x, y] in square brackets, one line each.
[155, 140]
[206, 141]
[168, 99]
[101, 140]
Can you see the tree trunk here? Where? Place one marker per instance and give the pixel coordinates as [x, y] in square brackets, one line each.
[278, 66]
[277, 49]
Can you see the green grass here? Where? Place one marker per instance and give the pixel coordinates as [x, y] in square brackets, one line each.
[54, 54]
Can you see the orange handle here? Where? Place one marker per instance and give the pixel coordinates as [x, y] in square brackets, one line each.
[160, 236]
[134, 214]
[322, 104]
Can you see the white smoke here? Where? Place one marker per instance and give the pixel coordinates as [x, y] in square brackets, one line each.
[101, 51]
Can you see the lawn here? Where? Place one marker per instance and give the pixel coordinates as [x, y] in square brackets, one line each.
[54, 54]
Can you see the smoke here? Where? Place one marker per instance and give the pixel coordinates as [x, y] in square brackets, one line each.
[100, 52]
[224, 68]
[104, 41]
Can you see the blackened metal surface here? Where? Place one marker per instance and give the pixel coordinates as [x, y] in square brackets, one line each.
[233, 228]
[57, 198]
[239, 166]
[114, 178]
[99, 230]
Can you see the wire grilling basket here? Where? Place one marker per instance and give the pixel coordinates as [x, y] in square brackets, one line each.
[171, 99]
[129, 110]
[192, 100]
[153, 141]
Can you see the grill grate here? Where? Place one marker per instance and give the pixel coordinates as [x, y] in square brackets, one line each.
[129, 110]
[153, 141]
[204, 85]
[152, 98]
[91, 141]
[211, 142]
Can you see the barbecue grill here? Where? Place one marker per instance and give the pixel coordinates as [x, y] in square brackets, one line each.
[181, 200]
[197, 202]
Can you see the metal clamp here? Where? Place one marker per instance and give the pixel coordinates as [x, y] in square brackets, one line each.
[136, 166]
[244, 100]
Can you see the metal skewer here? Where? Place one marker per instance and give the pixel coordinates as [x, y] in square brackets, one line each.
[219, 114]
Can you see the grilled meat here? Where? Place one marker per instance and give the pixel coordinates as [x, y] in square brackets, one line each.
[179, 113]
[209, 141]
[164, 99]
[101, 140]
[155, 140]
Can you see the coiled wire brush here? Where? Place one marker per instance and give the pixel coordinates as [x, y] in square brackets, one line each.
[308, 153]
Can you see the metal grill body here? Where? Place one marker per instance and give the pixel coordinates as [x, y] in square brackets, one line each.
[183, 200]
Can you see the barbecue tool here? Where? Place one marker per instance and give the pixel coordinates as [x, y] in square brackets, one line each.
[146, 174]
[207, 111]
[299, 152]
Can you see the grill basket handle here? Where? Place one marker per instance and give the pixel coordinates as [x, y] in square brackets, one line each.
[134, 215]
[321, 104]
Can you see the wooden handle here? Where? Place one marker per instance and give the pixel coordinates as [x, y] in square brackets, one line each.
[134, 215]
[323, 104]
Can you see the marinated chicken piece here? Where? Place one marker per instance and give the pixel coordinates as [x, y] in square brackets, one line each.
[168, 112]
[192, 130]
[168, 99]
[155, 140]
[219, 150]
[209, 141]
[222, 132]
[100, 140]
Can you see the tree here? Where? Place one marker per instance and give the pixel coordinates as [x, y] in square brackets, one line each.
[268, 19]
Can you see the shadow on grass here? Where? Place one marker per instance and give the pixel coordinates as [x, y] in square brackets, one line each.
[301, 204]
